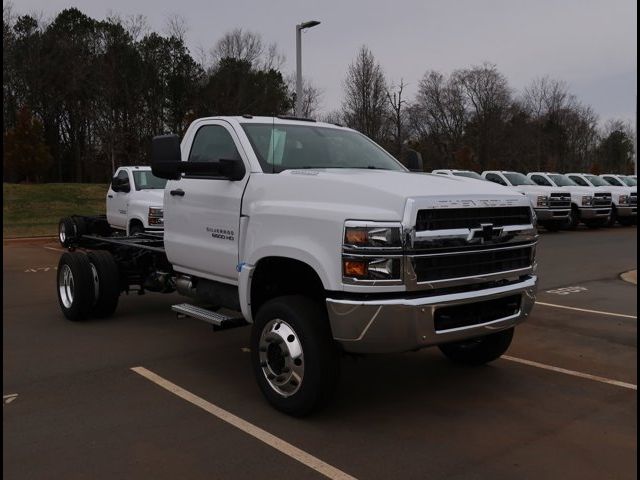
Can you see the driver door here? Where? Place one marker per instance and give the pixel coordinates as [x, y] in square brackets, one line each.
[118, 200]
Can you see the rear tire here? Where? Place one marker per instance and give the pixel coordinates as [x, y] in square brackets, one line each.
[294, 358]
[480, 350]
[76, 291]
[66, 231]
[107, 283]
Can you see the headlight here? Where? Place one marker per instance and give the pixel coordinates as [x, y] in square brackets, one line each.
[156, 216]
[372, 252]
[623, 199]
[587, 201]
[543, 201]
[358, 235]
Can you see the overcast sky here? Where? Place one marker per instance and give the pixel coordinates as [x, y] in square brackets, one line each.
[591, 44]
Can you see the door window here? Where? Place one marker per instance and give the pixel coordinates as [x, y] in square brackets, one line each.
[540, 180]
[212, 143]
[579, 180]
[492, 177]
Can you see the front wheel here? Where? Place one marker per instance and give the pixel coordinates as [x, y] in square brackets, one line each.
[480, 350]
[294, 358]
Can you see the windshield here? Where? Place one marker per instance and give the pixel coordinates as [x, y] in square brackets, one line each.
[597, 181]
[518, 179]
[145, 180]
[630, 181]
[562, 181]
[469, 175]
[284, 147]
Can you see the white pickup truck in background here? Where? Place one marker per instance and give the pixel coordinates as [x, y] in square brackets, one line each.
[624, 209]
[135, 200]
[589, 205]
[552, 204]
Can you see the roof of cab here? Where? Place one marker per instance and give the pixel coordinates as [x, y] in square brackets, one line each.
[283, 120]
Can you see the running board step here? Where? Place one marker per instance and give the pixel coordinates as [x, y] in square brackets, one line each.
[218, 320]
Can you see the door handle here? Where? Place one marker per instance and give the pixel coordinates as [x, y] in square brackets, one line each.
[110, 196]
[179, 192]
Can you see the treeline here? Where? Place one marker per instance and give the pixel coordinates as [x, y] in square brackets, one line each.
[83, 96]
[472, 119]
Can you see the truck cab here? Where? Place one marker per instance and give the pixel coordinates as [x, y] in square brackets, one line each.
[589, 205]
[552, 204]
[135, 200]
[624, 198]
[323, 243]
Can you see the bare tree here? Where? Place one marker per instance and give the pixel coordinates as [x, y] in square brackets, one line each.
[137, 26]
[546, 96]
[439, 113]
[334, 116]
[247, 46]
[311, 96]
[365, 104]
[176, 26]
[397, 115]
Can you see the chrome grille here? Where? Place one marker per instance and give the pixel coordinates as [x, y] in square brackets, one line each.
[560, 200]
[602, 200]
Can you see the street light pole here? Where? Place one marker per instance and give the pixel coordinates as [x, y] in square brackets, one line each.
[299, 28]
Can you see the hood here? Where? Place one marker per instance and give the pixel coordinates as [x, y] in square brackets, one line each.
[366, 194]
[155, 197]
[537, 189]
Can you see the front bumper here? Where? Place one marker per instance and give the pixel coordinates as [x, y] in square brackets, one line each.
[630, 211]
[591, 212]
[549, 214]
[402, 324]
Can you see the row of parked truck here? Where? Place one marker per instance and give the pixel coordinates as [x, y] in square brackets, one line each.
[135, 197]
[566, 200]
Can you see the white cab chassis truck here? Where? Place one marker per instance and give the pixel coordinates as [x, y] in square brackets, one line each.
[624, 198]
[134, 200]
[589, 205]
[552, 205]
[323, 243]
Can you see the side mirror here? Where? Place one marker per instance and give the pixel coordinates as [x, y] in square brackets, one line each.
[115, 184]
[413, 161]
[166, 162]
[125, 187]
[166, 157]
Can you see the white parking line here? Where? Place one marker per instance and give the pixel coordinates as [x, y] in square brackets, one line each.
[256, 432]
[586, 310]
[588, 376]
[55, 249]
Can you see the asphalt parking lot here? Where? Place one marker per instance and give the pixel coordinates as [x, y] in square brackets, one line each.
[562, 404]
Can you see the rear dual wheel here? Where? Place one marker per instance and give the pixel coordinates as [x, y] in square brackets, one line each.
[88, 285]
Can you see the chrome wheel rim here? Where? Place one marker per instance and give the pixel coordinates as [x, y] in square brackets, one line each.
[281, 357]
[66, 286]
[96, 284]
[62, 233]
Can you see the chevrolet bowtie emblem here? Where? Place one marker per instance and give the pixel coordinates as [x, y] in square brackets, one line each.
[486, 232]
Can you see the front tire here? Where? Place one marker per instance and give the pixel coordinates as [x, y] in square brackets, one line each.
[135, 228]
[294, 358]
[76, 290]
[480, 350]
